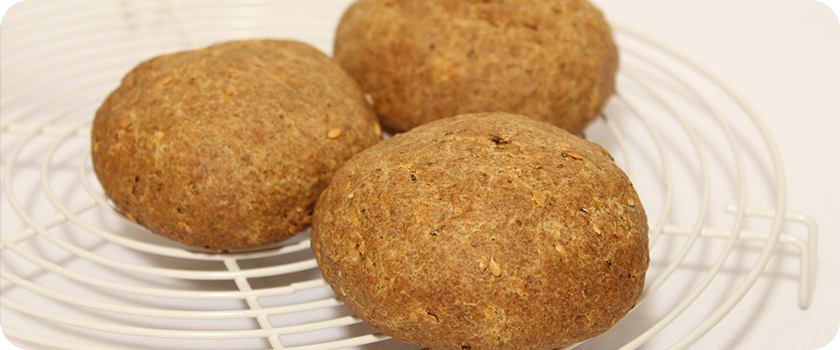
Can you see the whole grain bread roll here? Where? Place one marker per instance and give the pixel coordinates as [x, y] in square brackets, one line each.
[228, 147]
[483, 231]
[554, 60]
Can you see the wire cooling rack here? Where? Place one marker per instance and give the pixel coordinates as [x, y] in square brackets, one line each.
[76, 275]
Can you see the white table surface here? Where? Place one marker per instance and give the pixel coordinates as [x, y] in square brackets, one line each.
[783, 57]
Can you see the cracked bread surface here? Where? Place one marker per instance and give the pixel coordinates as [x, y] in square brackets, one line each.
[484, 231]
[229, 146]
[554, 60]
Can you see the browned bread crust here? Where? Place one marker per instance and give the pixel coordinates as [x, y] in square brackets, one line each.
[484, 231]
[228, 147]
[553, 60]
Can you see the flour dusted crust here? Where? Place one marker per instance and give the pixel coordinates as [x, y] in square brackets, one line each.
[484, 231]
[553, 60]
[228, 147]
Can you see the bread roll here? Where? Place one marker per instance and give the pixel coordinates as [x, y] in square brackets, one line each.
[484, 231]
[228, 147]
[553, 60]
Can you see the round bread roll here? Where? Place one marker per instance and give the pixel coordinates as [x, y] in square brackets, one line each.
[554, 60]
[483, 231]
[228, 147]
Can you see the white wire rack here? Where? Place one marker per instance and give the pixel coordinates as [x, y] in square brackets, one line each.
[75, 275]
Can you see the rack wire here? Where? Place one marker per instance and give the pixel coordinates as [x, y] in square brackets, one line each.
[75, 275]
